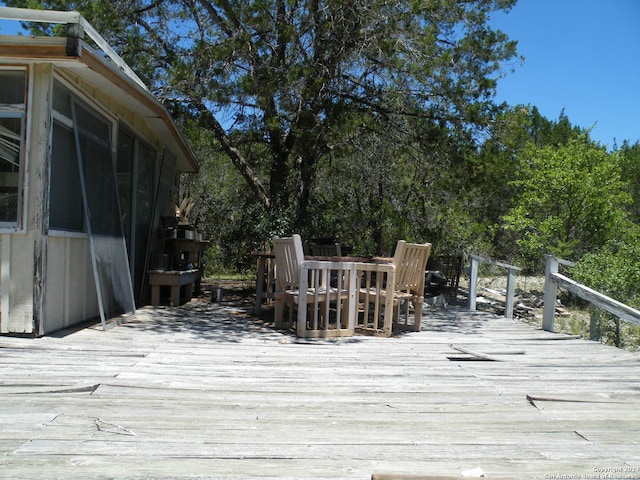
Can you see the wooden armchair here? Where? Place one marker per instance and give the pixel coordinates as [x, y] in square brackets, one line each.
[289, 256]
[309, 285]
[409, 262]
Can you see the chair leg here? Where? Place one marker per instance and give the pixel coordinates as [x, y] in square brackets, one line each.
[290, 305]
[417, 311]
[344, 315]
[397, 312]
[279, 313]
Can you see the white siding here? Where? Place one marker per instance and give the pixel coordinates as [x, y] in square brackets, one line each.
[71, 295]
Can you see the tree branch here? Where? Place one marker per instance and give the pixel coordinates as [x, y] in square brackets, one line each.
[210, 122]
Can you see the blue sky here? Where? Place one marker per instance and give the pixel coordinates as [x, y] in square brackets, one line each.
[582, 56]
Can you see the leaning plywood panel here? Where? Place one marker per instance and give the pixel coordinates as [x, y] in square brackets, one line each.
[72, 297]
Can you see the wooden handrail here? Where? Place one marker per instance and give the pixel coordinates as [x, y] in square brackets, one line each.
[553, 280]
[511, 282]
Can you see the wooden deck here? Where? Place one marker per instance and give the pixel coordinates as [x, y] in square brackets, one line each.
[206, 390]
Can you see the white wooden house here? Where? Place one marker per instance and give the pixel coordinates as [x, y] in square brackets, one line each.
[88, 166]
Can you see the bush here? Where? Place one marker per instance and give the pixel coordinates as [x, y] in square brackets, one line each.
[615, 272]
[615, 269]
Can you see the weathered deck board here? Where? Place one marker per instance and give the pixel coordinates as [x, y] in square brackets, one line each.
[206, 391]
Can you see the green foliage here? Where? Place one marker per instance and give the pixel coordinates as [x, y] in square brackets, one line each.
[570, 200]
[630, 166]
[368, 122]
[289, 75]
[491, 175]
[614, 269]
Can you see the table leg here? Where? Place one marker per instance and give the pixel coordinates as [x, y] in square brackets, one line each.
[188, 291]
[155, 295]
[259, 285]
[175, 296]
[352, 301]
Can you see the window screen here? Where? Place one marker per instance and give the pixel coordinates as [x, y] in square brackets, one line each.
[84, 197]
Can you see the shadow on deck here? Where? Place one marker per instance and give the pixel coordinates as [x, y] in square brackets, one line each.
[207, 390]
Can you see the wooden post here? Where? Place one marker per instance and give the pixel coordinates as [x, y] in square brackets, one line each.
[473, 282]
[550, 293]
[511, 290]
[39, 176]
[594, 324]
[260, 284]
[75, 34]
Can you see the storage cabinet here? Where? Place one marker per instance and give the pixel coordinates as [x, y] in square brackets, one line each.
[179, 268]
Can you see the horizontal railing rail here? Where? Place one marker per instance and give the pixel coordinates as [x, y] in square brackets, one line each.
[554, 279]
[512, 271]
[71, 18]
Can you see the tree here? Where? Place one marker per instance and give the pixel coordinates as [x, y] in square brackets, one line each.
[288, 73]
[491, 175]
[630, 164]
[570, 201]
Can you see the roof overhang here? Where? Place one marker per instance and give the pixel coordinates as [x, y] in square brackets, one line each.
[112, 77]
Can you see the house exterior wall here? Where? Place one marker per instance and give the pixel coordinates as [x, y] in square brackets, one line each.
[46, 277]
[72, 297]
[24, 251]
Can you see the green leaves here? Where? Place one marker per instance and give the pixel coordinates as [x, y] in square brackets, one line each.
[571, 200]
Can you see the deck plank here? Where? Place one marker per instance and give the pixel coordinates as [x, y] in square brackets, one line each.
[206, 391]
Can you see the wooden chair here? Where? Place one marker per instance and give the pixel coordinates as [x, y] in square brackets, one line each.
[327, 299]
[289, 256]
[443, 276]
[325, 250]
[295, 276]
[409, 261]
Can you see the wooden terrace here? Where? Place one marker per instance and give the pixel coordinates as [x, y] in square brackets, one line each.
[207, 390]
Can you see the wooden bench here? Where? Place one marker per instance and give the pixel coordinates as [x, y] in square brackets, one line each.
[175, 279]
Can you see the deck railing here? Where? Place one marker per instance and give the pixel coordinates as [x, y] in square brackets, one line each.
[511, 282]
[554, 279]
[77, 25]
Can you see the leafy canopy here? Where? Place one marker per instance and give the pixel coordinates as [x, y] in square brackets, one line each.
[570, 200]
[292, 74]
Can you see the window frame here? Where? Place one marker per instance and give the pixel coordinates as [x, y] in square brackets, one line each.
[23, 114]
[94, 107]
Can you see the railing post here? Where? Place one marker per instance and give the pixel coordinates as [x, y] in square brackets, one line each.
[473, 282]
[594, 324]
[511, 291]
[550, 293]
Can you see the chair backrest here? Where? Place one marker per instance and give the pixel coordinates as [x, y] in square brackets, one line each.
[288, 256]
[325, 250]
[448, 265]
[410, 260]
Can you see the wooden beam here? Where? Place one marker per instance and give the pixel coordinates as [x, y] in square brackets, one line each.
[615, 307]
[51, 52]
[44, 16]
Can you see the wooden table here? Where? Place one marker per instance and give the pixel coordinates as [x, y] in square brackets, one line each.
[367, 314]
[175, 279]
[192, 250]
[265, 272]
